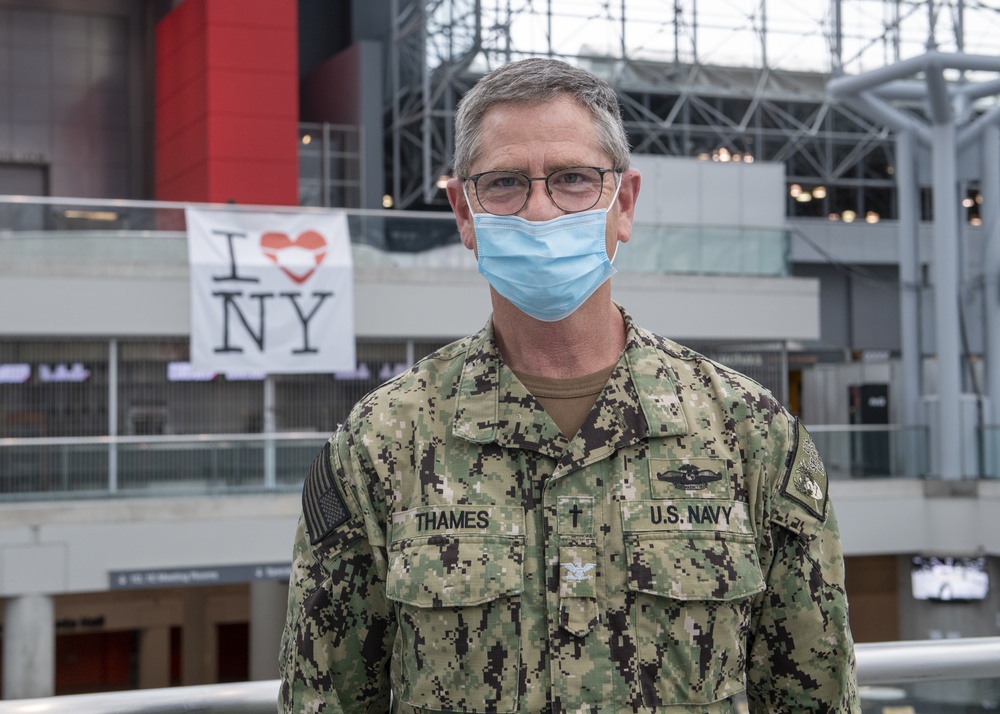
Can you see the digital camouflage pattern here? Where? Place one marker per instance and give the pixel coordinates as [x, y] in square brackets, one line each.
[458, 551]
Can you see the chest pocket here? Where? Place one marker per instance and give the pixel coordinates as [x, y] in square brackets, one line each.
[693, 571]
[457, 584]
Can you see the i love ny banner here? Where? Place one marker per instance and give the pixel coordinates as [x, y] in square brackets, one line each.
[270, 292]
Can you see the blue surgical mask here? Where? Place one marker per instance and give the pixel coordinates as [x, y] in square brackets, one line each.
[547, 269]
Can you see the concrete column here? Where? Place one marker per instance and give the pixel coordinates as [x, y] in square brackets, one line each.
[198, 647]
[991, 273]
[909, 285]
[909, 275]
[947, 442]
[268, 603]
[154, 657]
[29, 647]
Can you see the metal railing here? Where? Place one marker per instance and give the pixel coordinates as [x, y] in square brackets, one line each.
[117, 466]
[878, 664]
[872, 450]
[43, 468]
[111, 233]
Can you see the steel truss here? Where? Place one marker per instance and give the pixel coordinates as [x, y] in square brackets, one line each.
[681, 93]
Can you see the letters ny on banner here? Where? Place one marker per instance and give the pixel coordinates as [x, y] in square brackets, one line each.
[270, 292]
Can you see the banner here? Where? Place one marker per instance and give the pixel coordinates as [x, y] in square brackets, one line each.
[270, 292]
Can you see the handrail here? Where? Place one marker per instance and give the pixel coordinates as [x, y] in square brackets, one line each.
[928, 660]
[878, 663]
[162, 438]
[838, 428]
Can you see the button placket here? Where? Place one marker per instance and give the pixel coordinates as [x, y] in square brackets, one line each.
[578, 565]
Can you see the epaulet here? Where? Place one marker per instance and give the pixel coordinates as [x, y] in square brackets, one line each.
[323, 505]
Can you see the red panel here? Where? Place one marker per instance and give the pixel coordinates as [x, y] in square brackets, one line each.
[185, 185]
[259, 93]
[252, 48]
[227, 102]
[277, 15]
[185, 63]
[255, 182]
[185, 108]
[181, 153]
[270, 139]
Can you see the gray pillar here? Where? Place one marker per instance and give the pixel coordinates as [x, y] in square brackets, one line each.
[268, 604]
[154, 657]
[29, 647]
[947, 441]
[991, 273]
[909, 279]
[198, 665]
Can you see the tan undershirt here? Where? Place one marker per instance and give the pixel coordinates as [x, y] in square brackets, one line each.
[566, 401]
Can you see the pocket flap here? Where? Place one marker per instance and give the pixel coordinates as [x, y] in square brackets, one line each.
[679, 553]
[446, 556]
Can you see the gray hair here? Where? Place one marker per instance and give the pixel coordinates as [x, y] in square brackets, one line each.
[535, 81]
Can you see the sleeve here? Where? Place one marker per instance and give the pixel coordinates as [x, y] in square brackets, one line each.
[339, 628]
[801, 652]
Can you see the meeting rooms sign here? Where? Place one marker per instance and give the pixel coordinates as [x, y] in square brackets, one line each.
[197, 576]
[270, 292]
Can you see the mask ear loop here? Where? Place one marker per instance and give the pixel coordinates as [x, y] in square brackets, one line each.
[465, 192]
[607, 210]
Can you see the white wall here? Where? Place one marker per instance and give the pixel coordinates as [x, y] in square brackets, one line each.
[54, 548]
[686, 191]
[65, 547]
[397, 300]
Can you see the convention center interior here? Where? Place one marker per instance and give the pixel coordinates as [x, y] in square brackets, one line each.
[819, 210]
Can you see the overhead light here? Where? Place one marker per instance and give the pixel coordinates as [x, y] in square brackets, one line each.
[306, 138]
[723, 155]
[442, 181]
[968, 202]
[794, 190]
[890, 170]
[804, 197]
[871, 217]
[92, 215]
[979, 199]
[704, 156]
[834, 216]
[975, 221]
[848, 216]
[387, 201]
[819, 192]
[747, 159]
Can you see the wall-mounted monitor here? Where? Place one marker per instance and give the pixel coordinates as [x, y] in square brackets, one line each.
[948, 578]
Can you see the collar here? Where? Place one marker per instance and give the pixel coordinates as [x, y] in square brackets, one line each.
[642, 399]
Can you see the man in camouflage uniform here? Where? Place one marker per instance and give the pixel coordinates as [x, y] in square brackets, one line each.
[563, 513]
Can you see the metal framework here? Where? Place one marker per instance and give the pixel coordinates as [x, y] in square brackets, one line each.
[720, 79]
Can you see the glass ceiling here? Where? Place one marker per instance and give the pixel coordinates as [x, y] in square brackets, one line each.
[793, 35]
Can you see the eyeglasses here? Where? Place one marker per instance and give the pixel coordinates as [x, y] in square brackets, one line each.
[573, 189]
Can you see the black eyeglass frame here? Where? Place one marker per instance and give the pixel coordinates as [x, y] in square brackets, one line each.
[527, 194]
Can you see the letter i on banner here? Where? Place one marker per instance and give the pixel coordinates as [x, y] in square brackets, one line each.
[270, 292]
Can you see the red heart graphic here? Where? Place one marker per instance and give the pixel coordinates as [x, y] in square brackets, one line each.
[292, 264]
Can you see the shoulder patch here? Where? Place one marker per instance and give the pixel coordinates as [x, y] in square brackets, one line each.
[322, 503]
[805, 480]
